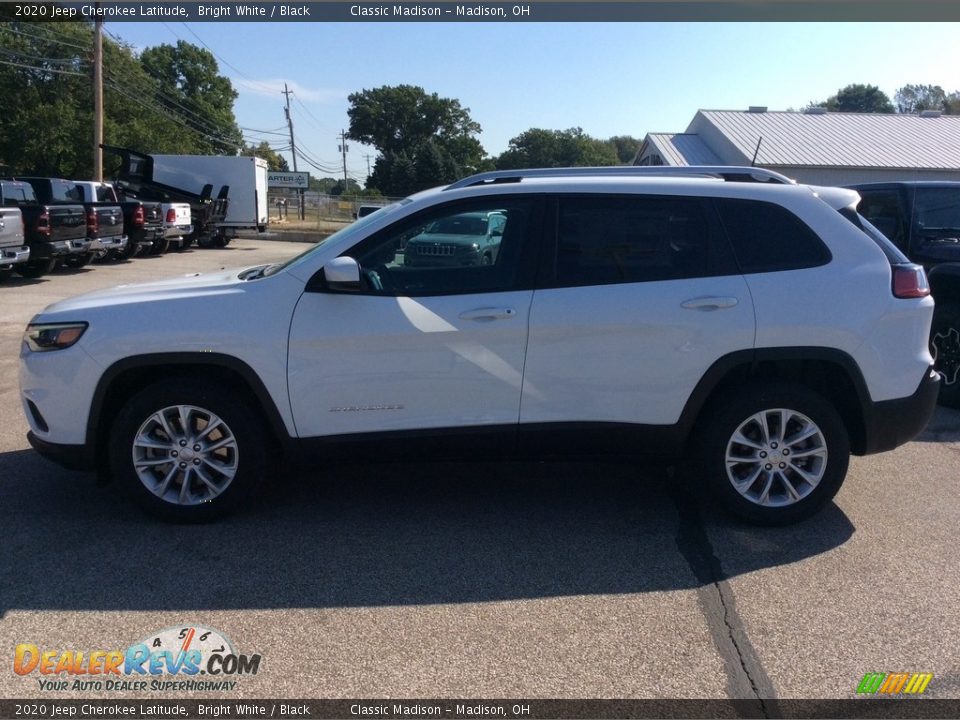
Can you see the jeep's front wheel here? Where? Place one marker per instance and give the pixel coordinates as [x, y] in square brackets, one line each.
[945, 348]
[187, 451]
[773, 453]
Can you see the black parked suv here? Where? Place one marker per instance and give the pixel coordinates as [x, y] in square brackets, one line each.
[922, 218]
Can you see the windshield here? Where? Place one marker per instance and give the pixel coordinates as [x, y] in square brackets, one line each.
[354, 227]
[937, 208]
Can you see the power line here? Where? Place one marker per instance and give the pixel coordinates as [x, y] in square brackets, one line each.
[47, 38]
[42, 69]
[225, 62]
[170, 116]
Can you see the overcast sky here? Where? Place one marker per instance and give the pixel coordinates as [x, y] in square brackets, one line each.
[608, 78]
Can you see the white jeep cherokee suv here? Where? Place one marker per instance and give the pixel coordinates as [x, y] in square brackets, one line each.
[757, 329]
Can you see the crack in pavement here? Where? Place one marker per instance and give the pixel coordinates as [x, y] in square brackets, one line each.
[746, 678]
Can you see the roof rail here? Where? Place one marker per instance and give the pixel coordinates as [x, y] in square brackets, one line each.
[730, 173]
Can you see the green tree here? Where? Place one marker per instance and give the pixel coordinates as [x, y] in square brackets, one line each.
[394, 174]
[353, 188]
[402, 118]
[275, 161]
[323, 185]
[191, 86]
[917, 98]
[626, 147]
[857, 98]
[48, 129]
[951, 104]
[556, 148]
[423, 139]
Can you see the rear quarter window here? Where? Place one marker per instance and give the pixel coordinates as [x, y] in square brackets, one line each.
[769, 238]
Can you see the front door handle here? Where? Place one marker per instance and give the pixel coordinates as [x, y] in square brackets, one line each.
[709, 303]
[487, 314]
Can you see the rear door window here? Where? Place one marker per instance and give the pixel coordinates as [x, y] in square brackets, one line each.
[604, 239]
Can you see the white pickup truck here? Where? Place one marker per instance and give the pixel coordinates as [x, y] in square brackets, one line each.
[13, 249]
[178, 223]
[104, 220]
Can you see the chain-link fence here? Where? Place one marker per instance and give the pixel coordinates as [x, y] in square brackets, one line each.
[284, 206]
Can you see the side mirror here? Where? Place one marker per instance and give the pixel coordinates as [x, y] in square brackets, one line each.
[342, 273]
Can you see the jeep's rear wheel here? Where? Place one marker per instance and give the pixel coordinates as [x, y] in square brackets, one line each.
[186, 451]
[945, 348]
[773, 453]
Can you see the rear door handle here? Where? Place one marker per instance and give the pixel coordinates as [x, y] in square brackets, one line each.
[709, 303]
[487, 314]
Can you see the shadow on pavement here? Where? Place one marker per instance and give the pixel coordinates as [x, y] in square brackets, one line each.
[369, 535]
[944, 426]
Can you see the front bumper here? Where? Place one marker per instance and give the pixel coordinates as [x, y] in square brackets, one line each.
[72, 457]
[891, 423]
[14, 255]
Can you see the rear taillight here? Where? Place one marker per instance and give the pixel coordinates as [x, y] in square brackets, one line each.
[43, 223]
[910, 281]
[138, 216]
[93, 223]
[171, 215]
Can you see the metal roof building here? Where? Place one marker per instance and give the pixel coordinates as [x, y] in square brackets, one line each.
[815, 146]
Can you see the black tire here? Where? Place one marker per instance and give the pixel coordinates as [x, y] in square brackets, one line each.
[160, 246]
[79, 261]
[241, 426]
[736, 411]
[129, 250]
[945, 348]
[5, 273]
[36, 268]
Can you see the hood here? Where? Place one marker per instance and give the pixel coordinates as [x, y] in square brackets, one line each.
[186, 286]
[453, 239]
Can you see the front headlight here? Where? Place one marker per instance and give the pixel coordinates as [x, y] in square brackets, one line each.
[41, 337]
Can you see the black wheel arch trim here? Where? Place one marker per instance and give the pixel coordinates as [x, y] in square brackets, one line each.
[182, 359]
[722, 368]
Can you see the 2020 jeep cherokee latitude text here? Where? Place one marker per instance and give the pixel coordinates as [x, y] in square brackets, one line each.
[758, 329]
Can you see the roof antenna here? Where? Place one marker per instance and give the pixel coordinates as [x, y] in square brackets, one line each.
[753, 162]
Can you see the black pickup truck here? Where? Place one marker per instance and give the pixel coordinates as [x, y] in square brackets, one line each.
[922, 218]
[103, 220]
[142, 223]
[54, 232]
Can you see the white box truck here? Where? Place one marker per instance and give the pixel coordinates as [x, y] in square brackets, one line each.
[246, 177]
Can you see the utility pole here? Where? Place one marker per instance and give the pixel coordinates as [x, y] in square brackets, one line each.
[343, 152]
[293, 148]
[98, 99]
[367, 158]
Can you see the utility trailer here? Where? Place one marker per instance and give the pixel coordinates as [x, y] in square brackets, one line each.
[241, 202]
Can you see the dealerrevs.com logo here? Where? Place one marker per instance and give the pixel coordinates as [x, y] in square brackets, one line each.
[184, 658]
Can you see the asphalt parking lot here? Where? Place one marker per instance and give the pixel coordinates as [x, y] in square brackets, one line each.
[523, 580]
